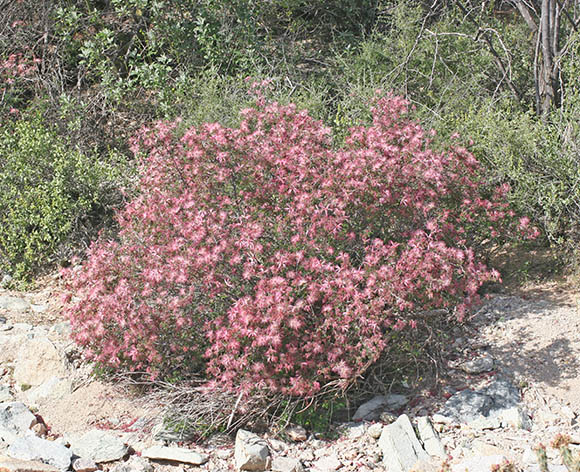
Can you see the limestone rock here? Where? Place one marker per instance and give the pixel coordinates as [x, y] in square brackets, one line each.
[483, 423]
[14, 465]
[401, 448]
[15, 419]
[429, 437]
[469, 405]
[5, 395]
[478, 464]
[54, 387]
[13, 303]
[327, 464]
[375, 430]
[10, 344]
[83, 464]
[481, 448]
[286, 464]
[38, 360]
[296, 433]
[371, 410]
[515, 417]
[425, 466]
[134, 464]
[175, 454]
[251, 452]
[32, 448]
[98, 446]
[478, 365]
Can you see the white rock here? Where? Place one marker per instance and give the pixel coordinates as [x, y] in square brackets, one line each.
[5, 395]
[38, 360]
[175, 454]
[84, 465]
[13, 303]
[372, 409]
[478, 464]
[483, 423]
[54, 387]
[31, 448]
[441, 419]
[251, 452]
[430, 438]
[134, 464]
[10, 344]
[99, 446]
[355, 430]
[400, 446]
[375, 430]
[327, 464]
[15, 420]
[515, 418]
[286, 464]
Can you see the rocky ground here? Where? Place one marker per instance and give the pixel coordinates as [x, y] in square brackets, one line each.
[511, 383]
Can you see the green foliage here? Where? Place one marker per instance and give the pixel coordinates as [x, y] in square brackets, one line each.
[538, 159]
[52, 198]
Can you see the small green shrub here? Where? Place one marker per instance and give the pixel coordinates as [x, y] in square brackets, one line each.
[52, 197]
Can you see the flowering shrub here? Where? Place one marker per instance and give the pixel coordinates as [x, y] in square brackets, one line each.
[263, 258]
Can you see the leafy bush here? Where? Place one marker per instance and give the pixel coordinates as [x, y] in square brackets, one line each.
[52, 198]
[538, 159]
[263, 258]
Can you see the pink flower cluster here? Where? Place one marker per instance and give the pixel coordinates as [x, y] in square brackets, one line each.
[262, 257]
[15, 67]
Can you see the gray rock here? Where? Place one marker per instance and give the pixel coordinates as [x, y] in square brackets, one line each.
[478, 464]
[31, 448]
[175, 454]
[13, 303]
[371, 410]
[5, 395]
[504, 394]
[6, 279]
[15, 420]
[468, 405]
[251, 452]
[38, 360]
[286, 464]
[98, 446]
[400, 446]
[134, 464]
[429, 437]
[478, 365]
[82, 464]
[161, 432]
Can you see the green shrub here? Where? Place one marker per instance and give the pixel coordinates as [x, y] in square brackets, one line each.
[52, 197]
[539, 160]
